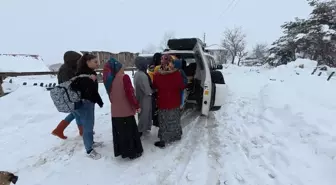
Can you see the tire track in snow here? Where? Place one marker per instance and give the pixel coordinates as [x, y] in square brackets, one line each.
[162, 163]
[191, 144]
[214, 154]
[179, 157]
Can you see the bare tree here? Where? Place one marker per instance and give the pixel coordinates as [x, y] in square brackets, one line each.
[167, 35]
[149, 49]
[241, 55]
[234, 42]
[260, 51]
[241, 52]
[223, 56]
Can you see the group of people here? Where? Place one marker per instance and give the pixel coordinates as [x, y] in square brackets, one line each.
[157, 98]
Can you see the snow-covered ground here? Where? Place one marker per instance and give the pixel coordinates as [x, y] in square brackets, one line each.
[11, 84]
[277, 128]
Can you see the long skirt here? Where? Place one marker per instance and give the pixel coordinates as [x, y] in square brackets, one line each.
[145, 119]
[126, 138]
[155, 116]
[170, 128]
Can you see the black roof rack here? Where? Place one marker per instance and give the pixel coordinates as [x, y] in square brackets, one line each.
[183, 43]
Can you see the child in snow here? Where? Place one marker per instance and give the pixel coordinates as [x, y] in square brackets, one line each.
[178, 65]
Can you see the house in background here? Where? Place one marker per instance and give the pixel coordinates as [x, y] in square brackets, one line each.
[251, 61]
[22, 63]
[218, 52]
[126, 58]
[55, 67]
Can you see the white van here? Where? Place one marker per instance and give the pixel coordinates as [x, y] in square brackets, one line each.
[207, 89]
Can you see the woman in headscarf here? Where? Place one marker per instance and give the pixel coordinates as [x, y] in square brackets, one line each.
[169, 82]
[154, 67]
[143, 91]
[126, 138]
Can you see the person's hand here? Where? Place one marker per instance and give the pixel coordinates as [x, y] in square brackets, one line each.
[138, 110]
[93, 77]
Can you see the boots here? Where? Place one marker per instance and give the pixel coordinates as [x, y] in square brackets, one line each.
[80, 130]
[160, 144]
[59, 130]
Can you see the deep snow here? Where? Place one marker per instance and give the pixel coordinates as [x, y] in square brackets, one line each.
[276, 128]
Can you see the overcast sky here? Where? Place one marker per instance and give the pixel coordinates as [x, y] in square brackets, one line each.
[50, 27]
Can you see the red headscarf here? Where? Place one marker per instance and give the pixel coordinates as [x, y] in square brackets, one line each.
[166, 63]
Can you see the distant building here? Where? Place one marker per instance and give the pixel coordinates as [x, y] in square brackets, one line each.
[126, 58]
[20, 63]
[218, 52]
[55, 67]
[251, 61]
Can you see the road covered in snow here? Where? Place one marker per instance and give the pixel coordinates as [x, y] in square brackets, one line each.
[277, 128]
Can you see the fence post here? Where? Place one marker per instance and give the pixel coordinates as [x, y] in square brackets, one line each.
[314, 71]
[1, 89]
[332, 74]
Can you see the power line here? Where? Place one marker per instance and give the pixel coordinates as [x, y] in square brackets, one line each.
[234, 6]
[230, 6]
[204, 37]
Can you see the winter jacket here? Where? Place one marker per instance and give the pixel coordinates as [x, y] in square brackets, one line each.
[123, 100]
[65, 73]
[69, 68]
[169, 85]
[152, 71]
[87, 87]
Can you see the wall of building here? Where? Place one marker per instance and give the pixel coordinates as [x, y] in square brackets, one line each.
[126, 58]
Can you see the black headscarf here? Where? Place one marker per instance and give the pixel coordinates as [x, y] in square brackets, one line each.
[157, 59]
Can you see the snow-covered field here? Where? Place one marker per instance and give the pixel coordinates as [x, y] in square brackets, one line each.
[277, 128]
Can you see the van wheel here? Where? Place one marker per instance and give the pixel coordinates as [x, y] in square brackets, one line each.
[216, 78]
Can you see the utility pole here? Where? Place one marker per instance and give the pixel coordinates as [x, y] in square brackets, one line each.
[204, 37]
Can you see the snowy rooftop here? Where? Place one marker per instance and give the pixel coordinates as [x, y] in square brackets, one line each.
[215, 47]
[22, 63]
